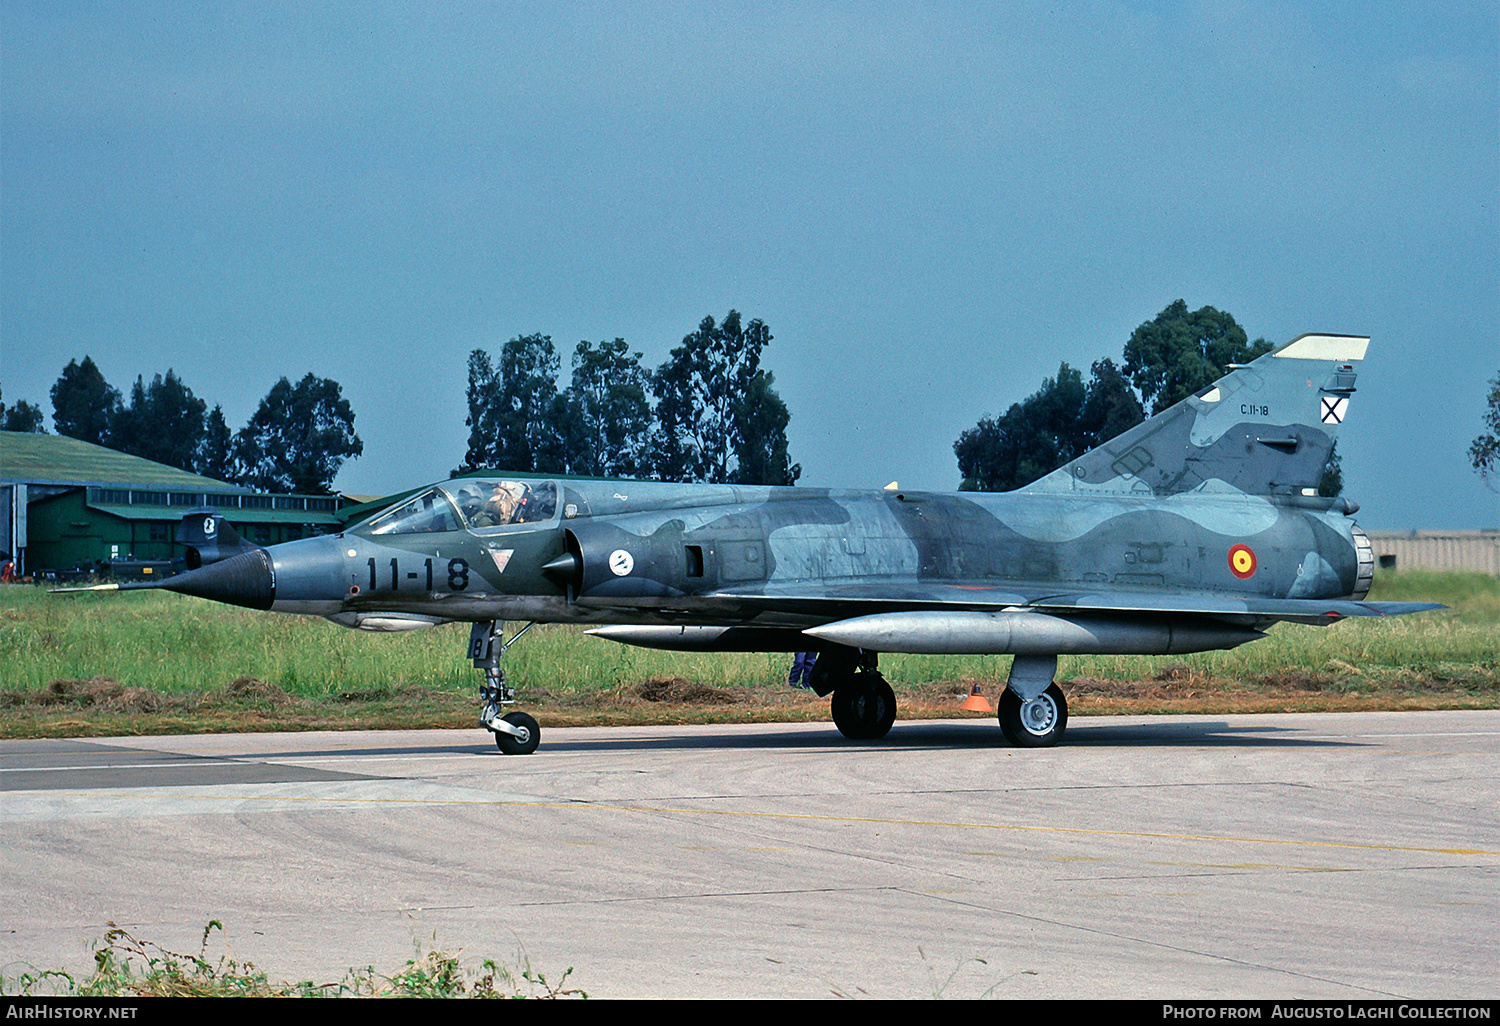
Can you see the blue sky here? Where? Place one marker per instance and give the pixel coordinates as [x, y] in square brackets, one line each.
[930, 205]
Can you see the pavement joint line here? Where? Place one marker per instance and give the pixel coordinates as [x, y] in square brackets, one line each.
[1435, 733]
[1276, 869]
[1152, 942]
[128, 766]
[870, 820]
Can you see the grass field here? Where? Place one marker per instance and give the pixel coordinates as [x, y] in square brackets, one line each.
[156, 663]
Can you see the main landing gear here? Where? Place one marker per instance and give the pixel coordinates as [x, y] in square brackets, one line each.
[863, 704]
[516, 733]
[1033, 723]
[1033, 712]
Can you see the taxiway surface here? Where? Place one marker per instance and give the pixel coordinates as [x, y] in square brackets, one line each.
[1339, 856]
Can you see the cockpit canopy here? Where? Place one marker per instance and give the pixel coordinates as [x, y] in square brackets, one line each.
[471, 503]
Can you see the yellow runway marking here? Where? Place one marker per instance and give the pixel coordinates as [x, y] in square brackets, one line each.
[811, 817]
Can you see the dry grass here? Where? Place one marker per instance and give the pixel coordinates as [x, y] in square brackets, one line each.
[160, 663]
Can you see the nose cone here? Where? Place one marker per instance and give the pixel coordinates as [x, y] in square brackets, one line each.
[248, 580]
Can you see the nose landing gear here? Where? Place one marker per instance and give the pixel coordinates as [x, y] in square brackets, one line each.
[516, 733]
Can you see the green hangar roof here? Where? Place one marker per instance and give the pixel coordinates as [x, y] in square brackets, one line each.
[140, 489]
[58, 459]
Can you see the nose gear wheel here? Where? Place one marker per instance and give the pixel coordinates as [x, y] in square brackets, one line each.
[523, 737]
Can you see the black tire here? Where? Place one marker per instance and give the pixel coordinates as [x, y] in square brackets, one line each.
[512, 745]
[1036, 724]
[864, 708]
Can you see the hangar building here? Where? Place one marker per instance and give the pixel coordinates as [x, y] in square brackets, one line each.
[1469, 551]
[66, 505]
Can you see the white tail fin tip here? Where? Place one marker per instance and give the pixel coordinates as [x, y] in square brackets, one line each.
[1324, 347]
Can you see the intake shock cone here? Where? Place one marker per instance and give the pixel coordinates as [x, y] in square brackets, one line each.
[248, 580]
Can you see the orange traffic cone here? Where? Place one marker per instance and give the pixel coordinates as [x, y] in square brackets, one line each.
[976, 702]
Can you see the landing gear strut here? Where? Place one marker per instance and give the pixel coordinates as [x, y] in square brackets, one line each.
[863, 704]
[516, 733]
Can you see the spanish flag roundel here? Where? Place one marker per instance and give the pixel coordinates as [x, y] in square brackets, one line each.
[1242, 561]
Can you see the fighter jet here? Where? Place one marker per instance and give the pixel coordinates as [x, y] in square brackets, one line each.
[1198, 529]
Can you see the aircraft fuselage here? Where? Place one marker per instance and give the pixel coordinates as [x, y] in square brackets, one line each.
[746, 556]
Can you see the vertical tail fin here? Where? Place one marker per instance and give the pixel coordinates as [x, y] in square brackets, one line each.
[208, 538]
[1265, 428]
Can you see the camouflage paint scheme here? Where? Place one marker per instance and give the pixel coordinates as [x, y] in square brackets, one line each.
[1197, 529]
